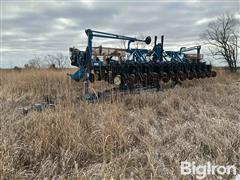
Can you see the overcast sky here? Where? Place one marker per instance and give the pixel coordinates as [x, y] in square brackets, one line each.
[37, 28]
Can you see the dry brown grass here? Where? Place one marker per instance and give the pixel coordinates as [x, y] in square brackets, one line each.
[136, 136]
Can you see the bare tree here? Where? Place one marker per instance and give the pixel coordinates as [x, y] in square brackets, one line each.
[123, 44]
[59, 60]
[35, 62]
[49, 60]
[222, 38]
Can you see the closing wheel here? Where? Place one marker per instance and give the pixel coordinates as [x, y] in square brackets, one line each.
[214, 74]
[165, 78]
[182, 76]
[195, 75]
[209, 74]
[109, 76]
[198, 75]
[117, 80]
[203, 75]
[91, 77]
[154, 78]
[132, 78]
[174, 76]
[144, 79]
[190, 75]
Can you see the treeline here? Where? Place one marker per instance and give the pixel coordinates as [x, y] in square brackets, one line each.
[57, 61]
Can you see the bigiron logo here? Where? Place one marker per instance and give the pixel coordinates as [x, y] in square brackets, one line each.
[202, 171]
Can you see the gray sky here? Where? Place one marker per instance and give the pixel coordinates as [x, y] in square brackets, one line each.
[37, 28]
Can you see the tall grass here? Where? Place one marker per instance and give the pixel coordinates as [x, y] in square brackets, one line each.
[143, 136]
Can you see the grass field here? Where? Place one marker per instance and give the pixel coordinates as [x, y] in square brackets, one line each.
[143, 136]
